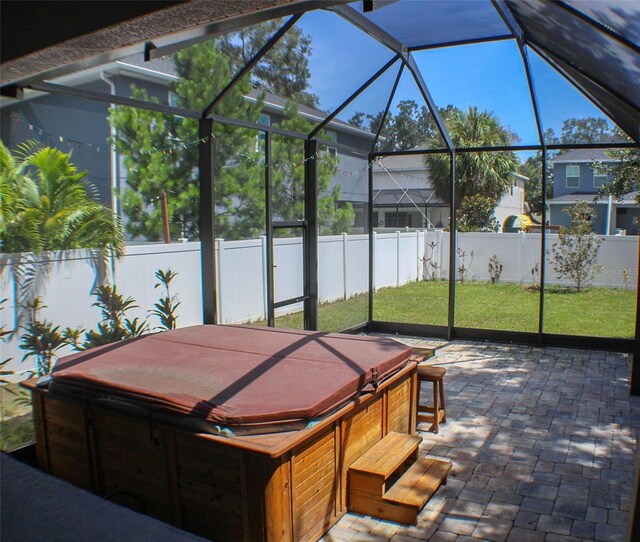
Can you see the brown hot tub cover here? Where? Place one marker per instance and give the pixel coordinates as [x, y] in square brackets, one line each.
[234, 375]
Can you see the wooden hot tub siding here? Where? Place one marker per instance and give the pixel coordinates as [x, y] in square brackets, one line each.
[284, 487]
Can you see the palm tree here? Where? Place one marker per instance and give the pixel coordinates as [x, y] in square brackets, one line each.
[486, 173]
[47, 206]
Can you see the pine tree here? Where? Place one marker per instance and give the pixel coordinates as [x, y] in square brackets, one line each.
[161, 155]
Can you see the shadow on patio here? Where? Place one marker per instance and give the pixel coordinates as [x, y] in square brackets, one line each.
[543, 444]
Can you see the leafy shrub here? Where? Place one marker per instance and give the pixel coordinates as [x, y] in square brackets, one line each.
[495, 269]
[575, 254]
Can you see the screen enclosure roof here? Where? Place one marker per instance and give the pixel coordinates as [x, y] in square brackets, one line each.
[594, 45]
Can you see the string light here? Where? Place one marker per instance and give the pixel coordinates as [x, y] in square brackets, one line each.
[99, 148]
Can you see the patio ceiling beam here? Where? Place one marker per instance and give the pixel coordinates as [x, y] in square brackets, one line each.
[509, 20]
[357, 93]
[158, 34]
[51, 88]
[455, 43]
[514, 148]
[366, 25]
[502, 148]
[218, 28]
[597, 25]
[252, 62]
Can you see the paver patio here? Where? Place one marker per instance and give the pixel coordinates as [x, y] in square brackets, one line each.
[543, 445]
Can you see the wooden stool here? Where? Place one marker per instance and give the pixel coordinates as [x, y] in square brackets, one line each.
[437, 413]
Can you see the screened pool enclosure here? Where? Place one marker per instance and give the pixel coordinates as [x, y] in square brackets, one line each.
[323, 154]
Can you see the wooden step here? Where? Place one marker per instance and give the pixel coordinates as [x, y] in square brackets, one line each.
[385, 457]
[416, 486]
[383, 485]
[404, 500]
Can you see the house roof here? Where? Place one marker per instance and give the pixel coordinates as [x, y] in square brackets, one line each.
[273, 102]
[412, 162]
[626, 199]
[581, 155]
[164, 65]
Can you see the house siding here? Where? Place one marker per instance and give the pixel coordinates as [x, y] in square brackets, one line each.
[560, 217]
[560, 180]
[81, 125]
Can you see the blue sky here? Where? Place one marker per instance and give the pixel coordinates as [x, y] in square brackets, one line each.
[488, 75]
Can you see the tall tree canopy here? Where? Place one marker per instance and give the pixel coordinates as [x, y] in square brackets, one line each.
[47, 204]
[284, 70]
[623, 171]
[486, 173]
[408, 127]
[586, 130]
[161, 155]
[161, 152]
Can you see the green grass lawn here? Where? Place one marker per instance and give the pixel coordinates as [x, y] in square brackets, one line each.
[16, 421]
[599, 312]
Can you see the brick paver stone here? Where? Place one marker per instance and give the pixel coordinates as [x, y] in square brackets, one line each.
[542, 441]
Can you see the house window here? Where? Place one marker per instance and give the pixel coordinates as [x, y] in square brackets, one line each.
[332, 136]
[397, 220]
[573, 176]
[599, 178]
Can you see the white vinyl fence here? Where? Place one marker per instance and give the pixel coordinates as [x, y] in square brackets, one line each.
[399, 257]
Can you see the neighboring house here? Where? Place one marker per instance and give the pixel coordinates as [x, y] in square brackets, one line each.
[403, 196]
[81, 126]
[575, 178]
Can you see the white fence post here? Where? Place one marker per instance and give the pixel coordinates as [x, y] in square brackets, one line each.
[220, 249]
[373, 258]
[265, 296]
[241, 283]
[522, 255]
[398, 258]
[344, 264]
[417, 255]
[440, 250]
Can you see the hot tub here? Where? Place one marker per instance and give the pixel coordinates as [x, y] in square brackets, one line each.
[232, 432]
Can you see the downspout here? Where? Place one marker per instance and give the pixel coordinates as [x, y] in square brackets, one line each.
[609, 205]
[115, 187]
